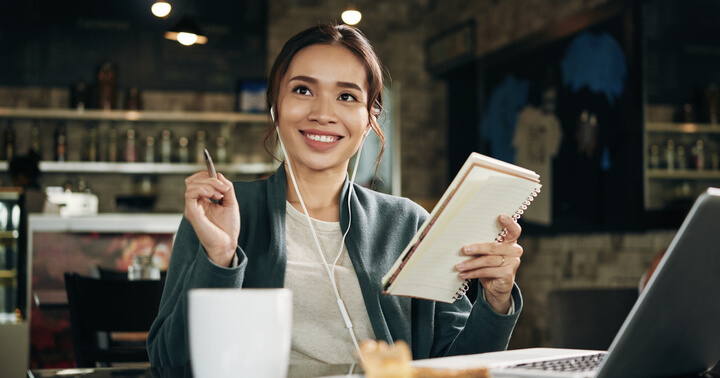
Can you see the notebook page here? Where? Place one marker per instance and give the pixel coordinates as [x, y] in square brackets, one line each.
[431, 273]
[480, 166]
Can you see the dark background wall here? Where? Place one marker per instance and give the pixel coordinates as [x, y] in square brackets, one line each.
[58, 43]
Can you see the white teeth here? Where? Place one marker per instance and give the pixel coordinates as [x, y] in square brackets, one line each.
[322, 138]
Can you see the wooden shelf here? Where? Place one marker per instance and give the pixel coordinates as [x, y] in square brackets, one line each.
[132, 116]
[682, 128]
[145, 168]
[663, 174]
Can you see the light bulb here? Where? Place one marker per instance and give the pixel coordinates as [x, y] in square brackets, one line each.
[187, 39]
[351, 16]
[161, 9]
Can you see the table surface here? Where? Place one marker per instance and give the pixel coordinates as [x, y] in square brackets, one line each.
[294, 371]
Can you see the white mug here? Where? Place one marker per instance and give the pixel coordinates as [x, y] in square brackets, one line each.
[240, 332]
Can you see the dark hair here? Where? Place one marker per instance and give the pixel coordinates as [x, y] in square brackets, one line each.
[341, 35]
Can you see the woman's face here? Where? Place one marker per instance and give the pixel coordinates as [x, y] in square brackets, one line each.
[322, 108]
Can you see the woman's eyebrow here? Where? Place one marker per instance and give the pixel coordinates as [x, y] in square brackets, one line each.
[312, 80]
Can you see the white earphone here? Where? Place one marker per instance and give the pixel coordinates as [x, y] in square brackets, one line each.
[329, 269]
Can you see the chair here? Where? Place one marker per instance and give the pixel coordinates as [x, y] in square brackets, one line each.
[112, 274]
[101, 309]
[588, 318]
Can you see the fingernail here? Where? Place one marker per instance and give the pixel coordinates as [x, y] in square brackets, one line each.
[467, 250]
[460, 266]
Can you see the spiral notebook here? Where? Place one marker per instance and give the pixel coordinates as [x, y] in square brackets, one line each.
[467, 213]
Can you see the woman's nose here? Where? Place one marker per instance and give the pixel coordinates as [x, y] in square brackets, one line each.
[322, 111]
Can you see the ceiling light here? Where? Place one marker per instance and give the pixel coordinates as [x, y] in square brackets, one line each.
[351, 16]
[161, 9]
[187, 32]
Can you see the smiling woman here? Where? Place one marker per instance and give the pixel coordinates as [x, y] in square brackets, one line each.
[309, 228]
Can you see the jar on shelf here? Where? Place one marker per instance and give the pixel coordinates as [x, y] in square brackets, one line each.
[143, 268]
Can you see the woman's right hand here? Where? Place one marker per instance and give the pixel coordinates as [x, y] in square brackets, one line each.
[217, 225]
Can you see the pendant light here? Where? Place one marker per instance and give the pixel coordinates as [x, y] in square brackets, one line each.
[161, 9]
[187, 32]
[351, 15]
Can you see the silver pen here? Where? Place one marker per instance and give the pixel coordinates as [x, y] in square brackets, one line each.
[210, 166]
[211, 172]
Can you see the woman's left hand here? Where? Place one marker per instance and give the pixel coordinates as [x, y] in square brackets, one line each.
[495, 265]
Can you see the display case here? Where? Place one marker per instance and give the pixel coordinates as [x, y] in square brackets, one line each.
[681, 78]
[84, 245]
[14, 284]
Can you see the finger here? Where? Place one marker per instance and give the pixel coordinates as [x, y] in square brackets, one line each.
[487, 261]
[480, 249]
[229, 194]
[203, 189]
[506, 271]
[512, 229]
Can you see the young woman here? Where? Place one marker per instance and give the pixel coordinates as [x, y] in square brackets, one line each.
[310, 229]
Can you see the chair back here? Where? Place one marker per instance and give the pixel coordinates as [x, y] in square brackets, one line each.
[99, 307]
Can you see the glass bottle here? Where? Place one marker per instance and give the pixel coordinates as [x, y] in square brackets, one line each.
[143, 268]
[654, 162]
[699, 155]
[670, 155]
[166, 147]
[35, 140]
[9, 141]
[130, 150]
[681, 158]
[200, 146]
[183, 152]
[150, 150]
[112, 155]
[60, 142]
[221, 153]
[91, 147]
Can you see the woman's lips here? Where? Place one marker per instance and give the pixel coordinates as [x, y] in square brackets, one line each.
[319, 141]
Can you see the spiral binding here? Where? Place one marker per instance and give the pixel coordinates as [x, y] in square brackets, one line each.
[501, 237]
[462, 290]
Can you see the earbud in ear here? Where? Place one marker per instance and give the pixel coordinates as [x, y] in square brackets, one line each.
[272, 114]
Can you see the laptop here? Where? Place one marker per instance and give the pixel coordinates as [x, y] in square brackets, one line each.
[673, 328]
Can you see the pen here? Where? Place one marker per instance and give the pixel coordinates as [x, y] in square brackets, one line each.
[210, 166]
[211, 172]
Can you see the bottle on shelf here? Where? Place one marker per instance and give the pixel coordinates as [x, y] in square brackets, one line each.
[183, 152]
[200, 146]
[166, 146]
[133, 99]
[150, 150]
[130, 147]
[221, 153]
[698, 155]
[112, 151]
[107, 86]
[91, 144]
[35, 140]
[670, 155]
[9, 137]
[681, 158]
[654, 161]
[61, 147]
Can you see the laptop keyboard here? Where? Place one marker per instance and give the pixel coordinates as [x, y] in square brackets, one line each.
[572, 364]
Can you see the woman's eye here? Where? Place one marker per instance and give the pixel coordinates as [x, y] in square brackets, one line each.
[347, 97]
[302, 90]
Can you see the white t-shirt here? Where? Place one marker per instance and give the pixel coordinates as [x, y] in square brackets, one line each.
[319, 333]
